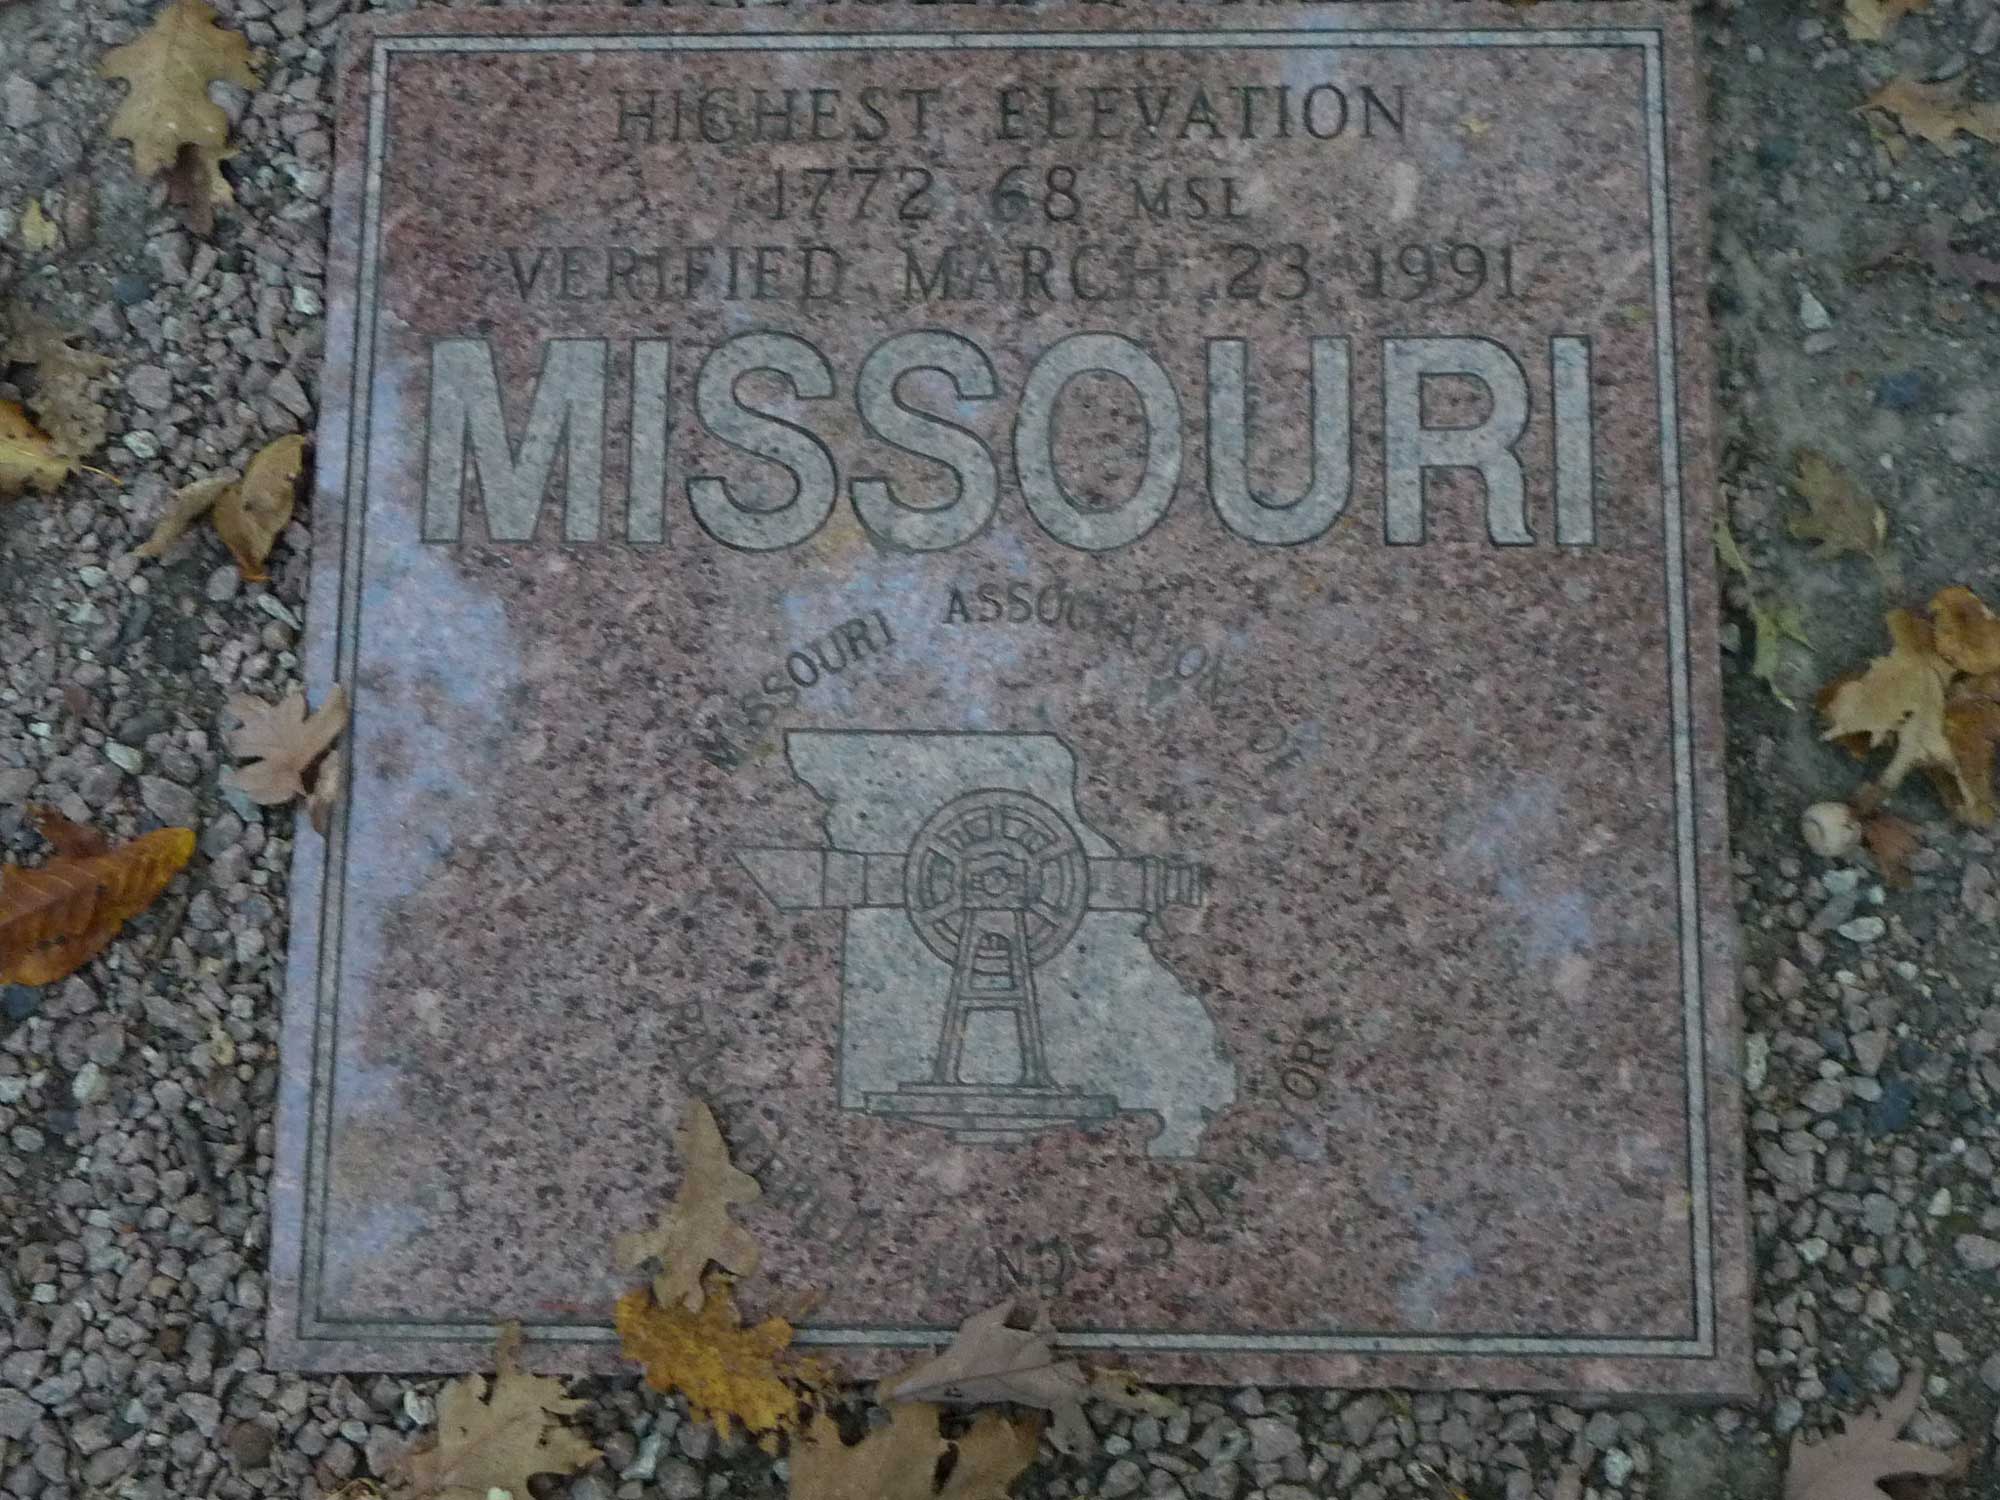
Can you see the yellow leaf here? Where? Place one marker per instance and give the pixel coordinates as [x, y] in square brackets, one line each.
[1771, 624]
[1935, 112]
[497, 1440]
[170, 68]
[1873, 20]
[911, 1459]
[1968, 633]
[696, 1228]
[282, 742]
[190, 504]
[56, 918]
[251, 517]
[27, 456]
[38, 231]
[1838, 516]
[1900, 697]
[726, 1371]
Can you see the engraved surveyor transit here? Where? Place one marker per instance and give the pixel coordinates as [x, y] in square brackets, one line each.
[1093, 623]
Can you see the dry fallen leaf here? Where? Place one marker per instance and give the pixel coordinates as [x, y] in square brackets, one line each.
[1852, 1465]
[39, 233]
[495, 1440]
[1899, 697]
[62, 398]
[1968, 633]
[170, 68]
[1892, 841]
[1772, 623]
[990, 1362]
[1935, 112]
[251, 517]
[283, 742]
[1873, 20]
[190, 504]
[27, 455]
[1972, 729]
[696, 1228]
[56, 918]
[726, 1371]
[911, 1459]
[1838, 516]
[325, 794]
[195, 185]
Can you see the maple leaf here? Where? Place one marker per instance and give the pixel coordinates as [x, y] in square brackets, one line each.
[1838, 516]
[1852, 1465]
[726, 1371]
[170, 68]
[190, 504]
[56, 918]
[1898, 697]
[988, 1361]
[62, 396]
[27, 455]
[250, 517]
[283, 742]
[696, 1228]
[1968, 633]
[911, 1459]
[1873, 20]
[496, 1440]
[1935, 112]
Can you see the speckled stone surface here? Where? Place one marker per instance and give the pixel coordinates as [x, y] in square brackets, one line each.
[1095, 623]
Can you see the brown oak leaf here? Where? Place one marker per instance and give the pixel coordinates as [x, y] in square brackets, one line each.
[1968, 633]
[989, 1361]
[282, 742]
[27, 455]
[728, 1373]
[56, 918]
[696, 1228]
[251, 517]
[912, 1459]
[495, 1439]
[1851, 1465]
[1935, 112]
[75, 421]
[168, 109]
[1837, 515]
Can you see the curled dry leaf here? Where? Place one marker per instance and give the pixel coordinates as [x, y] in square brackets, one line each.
[55, 919]
[497, 1439]
[27, 456]
[1852, 1465]
[912, 1459]
[168, 109]
[76, 423]
[1893, 842]
[1935, 112]
[282, 742]
[189, 505]
[728, 1373]
[696, 1228]
[252, 516]
[326, 790]
[989, 1361]
[1837, 515]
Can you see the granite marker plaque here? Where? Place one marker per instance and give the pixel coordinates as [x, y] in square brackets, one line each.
[1096, 623]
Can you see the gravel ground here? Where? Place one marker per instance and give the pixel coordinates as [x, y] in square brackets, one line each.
[135, 1099]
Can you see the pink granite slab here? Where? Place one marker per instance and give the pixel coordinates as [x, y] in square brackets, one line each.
[1095, 623]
